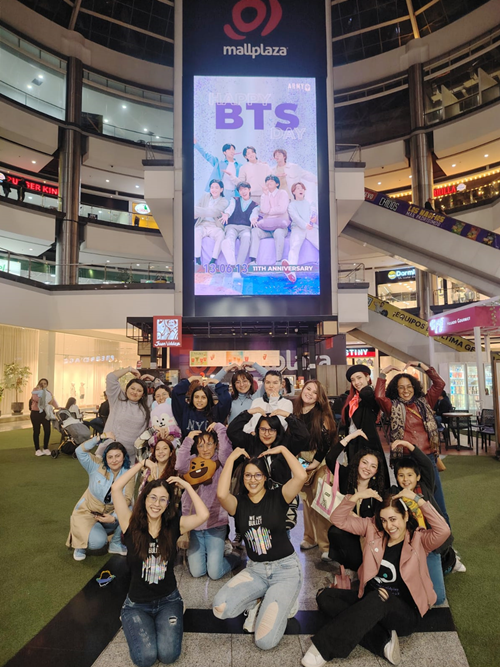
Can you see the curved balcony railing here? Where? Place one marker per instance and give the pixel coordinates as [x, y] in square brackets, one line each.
[45, 272]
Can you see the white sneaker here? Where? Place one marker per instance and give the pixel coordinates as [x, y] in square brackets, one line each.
[251, 619]
[459, 566]
[39, 452]
[391, 649]
[119, 551]
[305, 545]
[313, 658]
[47, 452]
[79, 554]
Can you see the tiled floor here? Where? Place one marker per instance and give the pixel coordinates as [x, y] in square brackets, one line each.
[204, 649]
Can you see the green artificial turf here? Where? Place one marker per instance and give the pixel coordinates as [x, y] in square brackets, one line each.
[39, 575]
[471, 487]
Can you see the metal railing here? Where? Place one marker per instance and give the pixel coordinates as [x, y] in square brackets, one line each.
[45, 271]
[351, 273]
[159, 150]
[348, 152]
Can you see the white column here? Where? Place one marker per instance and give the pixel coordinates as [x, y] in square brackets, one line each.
[177, 250]
[480, 365]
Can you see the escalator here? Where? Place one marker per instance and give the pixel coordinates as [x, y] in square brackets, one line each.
[430, 240]
[400, 334]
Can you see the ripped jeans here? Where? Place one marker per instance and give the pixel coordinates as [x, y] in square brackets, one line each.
[153, 629]
[277, 582]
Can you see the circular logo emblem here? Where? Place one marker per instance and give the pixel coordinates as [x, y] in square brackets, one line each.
[461, 187]
[391, 275]
[259, 16]
[142, 209]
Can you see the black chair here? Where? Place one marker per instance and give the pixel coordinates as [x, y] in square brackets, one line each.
[485, 428]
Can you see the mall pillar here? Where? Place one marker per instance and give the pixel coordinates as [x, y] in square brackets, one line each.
[421, 169]
[480, 366]
[70, 160]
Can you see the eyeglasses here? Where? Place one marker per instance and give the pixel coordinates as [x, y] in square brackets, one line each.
[257, 476]
[161, 501]
[267, 431]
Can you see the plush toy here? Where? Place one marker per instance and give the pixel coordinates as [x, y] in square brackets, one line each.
[161, 417]
[201, 471]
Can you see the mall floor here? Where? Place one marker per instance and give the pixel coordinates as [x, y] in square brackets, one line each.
[208, 641]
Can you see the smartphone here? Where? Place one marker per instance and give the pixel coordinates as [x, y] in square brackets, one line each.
[303, 462]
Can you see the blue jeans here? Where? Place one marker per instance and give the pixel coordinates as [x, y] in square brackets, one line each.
[206, 553]
[153, 629]
[438, 491]
[436, 574]
[277, 582]
[98, 536]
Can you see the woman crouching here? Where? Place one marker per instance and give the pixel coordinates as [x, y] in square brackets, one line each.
[269, 586]
[152, 614]
[395, 589]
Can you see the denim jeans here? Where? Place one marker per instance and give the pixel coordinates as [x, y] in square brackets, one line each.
[206, 553]
[277, 582]
[436, 574]
[153, 629]
[438, 491]
[98, 536]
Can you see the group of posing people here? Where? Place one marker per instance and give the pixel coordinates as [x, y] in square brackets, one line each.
[395, 540]
[236, 207]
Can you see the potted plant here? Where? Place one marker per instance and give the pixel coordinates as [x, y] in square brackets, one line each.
[16, 377]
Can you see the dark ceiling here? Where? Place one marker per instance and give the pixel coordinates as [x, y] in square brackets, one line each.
[361, 28]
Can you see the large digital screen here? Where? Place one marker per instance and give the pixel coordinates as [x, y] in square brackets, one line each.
[255, 186]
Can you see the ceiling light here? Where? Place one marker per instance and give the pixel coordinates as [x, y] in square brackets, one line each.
[124, 106]
[107, 261]
[379, 183]
[30, 86]
[146, 129]
[33, 161]
[30, 197]
[99, 211]
[453, 165]
[137, 264]
[39, 76]
[157, 137]
[136, 186]
[486, 155]
[410, 176]
[107, 180]
[105, 120]
[31, 249]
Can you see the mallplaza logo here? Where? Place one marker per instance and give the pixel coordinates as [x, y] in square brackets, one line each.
[245, 27]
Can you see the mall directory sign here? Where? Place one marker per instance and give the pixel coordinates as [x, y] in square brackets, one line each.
[255, 175]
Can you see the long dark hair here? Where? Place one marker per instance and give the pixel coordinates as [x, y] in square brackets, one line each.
[143, 401]
[71, 401]
[139, 528]
[377, 482]
[170, 467]
[259, 463]
[399, 506]
[275, 423]
[321, 415]
[392, 388]
[245, 374]
[207, 410]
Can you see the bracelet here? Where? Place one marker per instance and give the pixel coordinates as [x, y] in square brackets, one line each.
[418, 496]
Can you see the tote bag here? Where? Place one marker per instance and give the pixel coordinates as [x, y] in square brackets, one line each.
[328, 496]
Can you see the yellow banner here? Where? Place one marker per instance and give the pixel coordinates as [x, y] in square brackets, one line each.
[416, 324]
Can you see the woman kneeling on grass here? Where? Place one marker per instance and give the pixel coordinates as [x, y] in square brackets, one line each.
[270, 584]
[152, 614]
[395, 589]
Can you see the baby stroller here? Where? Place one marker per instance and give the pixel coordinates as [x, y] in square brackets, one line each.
[73, 431]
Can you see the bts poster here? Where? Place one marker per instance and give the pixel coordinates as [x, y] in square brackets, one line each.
[255, 186]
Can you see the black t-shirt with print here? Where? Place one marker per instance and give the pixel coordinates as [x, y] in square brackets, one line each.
[263, 526]
[153, 578]
[389, 575]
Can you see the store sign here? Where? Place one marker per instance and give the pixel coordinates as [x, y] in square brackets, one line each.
[434, 218]
[396, 275]
[447, 190]
[416, 324]
[167, 331]
[232, 34]
[215, 358]
[359, 352]
[35, 186]
[461, 187]
[463, 320]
